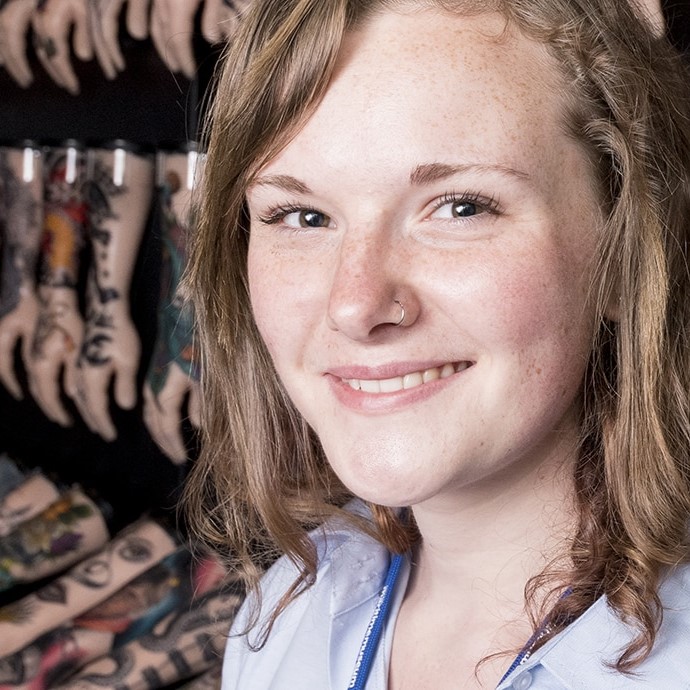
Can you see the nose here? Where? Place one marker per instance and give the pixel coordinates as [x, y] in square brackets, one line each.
[370, 293]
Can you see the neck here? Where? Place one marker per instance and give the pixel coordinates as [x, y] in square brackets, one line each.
[481, 545]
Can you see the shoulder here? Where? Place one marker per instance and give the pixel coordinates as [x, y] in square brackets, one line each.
[581, 656]
[350, 568]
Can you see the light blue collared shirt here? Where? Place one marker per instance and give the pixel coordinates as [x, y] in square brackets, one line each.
[315, 641]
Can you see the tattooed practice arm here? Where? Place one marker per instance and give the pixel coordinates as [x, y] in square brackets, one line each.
[173, 373]
[26, 501]
[15, 17]
[53, 23]
[172, 584]
[60, 328]
[89, 583]
[67, 531]
[104, 20]
[21, 204]
[118, 195]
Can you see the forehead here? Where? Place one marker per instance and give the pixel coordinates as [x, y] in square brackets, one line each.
[427, 81]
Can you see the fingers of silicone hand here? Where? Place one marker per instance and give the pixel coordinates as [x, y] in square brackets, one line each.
[163, 423]
[8, 377]
[16, 62]
[210, 21]
[98, 406]
[126, 387]
[194, 405]
[105, 59]
[138, 18]
[45, 388]
[81, 39]
[111, 42]
[160, 43]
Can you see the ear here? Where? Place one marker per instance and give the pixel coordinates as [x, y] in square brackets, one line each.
[651, 12]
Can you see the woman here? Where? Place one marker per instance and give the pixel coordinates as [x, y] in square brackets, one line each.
[442, 281]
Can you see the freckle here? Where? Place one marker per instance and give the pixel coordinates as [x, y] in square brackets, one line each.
[538, 370]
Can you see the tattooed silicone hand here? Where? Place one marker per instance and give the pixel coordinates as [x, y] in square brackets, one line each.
[119, 193]
[60, 328]
[221, 18]
[21, 203]
[172, 25]
[15, 17]
[104, 20]
[53, 22]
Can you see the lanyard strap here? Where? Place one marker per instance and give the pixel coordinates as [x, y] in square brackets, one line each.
[370, 643]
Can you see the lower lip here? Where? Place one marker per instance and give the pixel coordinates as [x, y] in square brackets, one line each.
[387, 402]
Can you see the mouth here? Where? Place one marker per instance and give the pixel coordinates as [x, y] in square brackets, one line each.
[413, 379]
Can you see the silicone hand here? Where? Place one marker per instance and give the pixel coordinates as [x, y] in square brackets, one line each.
[107, 353]
[53, 22]
[172, 25]
[220, 18]
[15, 17]
[104, 20]
[21, 216]
[55, 350]
[18, 325]
[163, 412]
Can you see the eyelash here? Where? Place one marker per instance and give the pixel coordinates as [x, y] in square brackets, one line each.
[277, 214]
[488, 204]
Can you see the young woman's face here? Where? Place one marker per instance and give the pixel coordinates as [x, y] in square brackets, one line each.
[438, 172]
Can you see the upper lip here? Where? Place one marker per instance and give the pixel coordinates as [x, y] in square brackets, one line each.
[387, 371]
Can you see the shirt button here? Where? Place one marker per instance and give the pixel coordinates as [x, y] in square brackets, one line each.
[523, 681]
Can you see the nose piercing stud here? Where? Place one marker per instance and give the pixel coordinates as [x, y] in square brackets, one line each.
[402, 312]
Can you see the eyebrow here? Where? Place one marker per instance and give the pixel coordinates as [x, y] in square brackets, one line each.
[422, 175]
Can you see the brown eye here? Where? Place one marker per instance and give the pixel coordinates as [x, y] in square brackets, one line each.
[312, 219]
[464, 209]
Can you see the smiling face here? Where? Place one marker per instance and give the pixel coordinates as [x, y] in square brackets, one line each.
[444, 179]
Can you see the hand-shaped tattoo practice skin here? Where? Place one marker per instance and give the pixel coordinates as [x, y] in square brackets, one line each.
[87, 584]
[173, 374]
[104, 20]
[172, 26]
[21, 216]
[60, 328]
[53, 22]
[118, 194]
[15, 17]
[221, 18]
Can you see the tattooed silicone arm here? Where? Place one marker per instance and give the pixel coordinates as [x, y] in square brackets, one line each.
[21, 190]
[60, 328]
[173, 373]
[119, 199]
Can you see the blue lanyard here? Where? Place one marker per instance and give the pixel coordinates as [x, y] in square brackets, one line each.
[372, 637]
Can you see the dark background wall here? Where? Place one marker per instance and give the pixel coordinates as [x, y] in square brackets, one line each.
[149, 105]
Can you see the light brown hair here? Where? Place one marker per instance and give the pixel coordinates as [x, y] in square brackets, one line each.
[262, 480]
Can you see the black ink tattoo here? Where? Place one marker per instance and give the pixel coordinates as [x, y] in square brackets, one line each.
[99, 321]
[55, 592]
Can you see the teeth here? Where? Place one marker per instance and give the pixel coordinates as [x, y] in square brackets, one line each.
[412, 380]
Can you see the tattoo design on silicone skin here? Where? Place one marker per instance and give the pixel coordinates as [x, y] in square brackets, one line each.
[175, 340]
[62, 241]
[50, 535]
[99, 322]
[21, 229]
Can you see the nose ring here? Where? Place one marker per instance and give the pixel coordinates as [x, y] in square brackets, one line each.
[402, 312]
